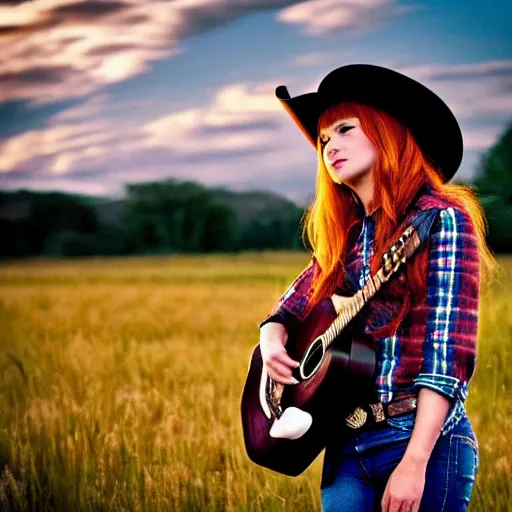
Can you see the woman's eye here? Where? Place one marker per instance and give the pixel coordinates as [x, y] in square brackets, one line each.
[342, 129]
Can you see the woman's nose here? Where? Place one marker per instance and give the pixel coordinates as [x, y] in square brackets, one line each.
[331, 152]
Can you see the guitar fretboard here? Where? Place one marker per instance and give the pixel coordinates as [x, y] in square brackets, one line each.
[352, 305]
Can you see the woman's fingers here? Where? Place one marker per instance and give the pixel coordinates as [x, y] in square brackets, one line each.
[278, 363]
[284, 358]
[279, 369]
[282, 363]
[282, 380]
[280, 372]
[290, 362]
[406, 506]
[385, 499]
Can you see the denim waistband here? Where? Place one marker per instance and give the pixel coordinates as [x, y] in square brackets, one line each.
[394, 429]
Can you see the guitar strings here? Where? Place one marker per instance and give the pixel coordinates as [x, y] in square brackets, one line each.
[410, 241]
[352, 308]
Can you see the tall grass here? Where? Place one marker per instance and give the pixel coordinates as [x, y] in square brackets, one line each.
[120, 382]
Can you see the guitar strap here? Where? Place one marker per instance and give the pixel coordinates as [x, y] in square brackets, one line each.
[423, 223]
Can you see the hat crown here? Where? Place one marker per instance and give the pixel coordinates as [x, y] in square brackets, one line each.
[427, 116]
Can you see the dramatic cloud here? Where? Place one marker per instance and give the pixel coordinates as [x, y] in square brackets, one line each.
[472, 91]
[92, 107]
[241, 117]
[310, 59]
[52, 49]
[56, 49]
[319, 17]
[493, 68]
[242, 138]
[480, 95]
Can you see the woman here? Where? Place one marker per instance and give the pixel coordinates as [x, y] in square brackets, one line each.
[386, 148]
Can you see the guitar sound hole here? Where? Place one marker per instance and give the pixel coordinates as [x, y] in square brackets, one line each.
[313, 359]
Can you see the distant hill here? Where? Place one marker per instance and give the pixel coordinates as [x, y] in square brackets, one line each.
[248, 205]
[160, 216]
[259, 204]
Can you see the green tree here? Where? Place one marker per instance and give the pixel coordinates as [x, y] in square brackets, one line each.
[46, 223]
[494, 187]
[176, 216]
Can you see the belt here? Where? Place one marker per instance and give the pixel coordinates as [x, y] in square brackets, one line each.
[371, 414]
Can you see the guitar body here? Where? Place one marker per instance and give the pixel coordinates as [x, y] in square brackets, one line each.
[344, 379]
[336, 380]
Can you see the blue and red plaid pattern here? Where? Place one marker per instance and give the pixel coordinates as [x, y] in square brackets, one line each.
[449, 350]
[435, 345]
[291, 307]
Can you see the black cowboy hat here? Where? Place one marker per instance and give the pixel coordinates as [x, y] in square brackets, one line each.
[429, 119]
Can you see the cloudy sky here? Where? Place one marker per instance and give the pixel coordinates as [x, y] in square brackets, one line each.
[99, 93]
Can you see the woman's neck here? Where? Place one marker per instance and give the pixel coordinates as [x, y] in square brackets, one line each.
[363, 192]
[366, 199]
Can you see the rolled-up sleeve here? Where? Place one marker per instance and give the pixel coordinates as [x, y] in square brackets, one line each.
[449, 347]
[292, 306]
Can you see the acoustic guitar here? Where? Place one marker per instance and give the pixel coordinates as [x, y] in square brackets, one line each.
[285, 427]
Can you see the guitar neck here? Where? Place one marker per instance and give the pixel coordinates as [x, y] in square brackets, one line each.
[393, 259]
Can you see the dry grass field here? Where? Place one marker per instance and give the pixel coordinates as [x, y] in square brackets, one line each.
[120, 382]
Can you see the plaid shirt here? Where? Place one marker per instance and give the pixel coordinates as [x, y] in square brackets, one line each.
[435, 345]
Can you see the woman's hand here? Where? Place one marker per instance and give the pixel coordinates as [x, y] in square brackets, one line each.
[279, 365]
[405, 487]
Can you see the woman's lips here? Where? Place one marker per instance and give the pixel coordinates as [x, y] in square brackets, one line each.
[338, 163]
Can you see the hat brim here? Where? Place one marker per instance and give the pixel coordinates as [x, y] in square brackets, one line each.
[429, 119]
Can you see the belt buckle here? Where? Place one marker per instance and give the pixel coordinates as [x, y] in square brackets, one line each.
[357, 418]
[378, 412]
[402, 406]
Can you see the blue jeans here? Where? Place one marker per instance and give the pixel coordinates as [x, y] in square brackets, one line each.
[356, 472]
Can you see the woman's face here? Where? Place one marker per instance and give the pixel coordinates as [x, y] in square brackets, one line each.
[347, 152]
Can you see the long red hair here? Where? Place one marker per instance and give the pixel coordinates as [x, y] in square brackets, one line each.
[399, 173]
